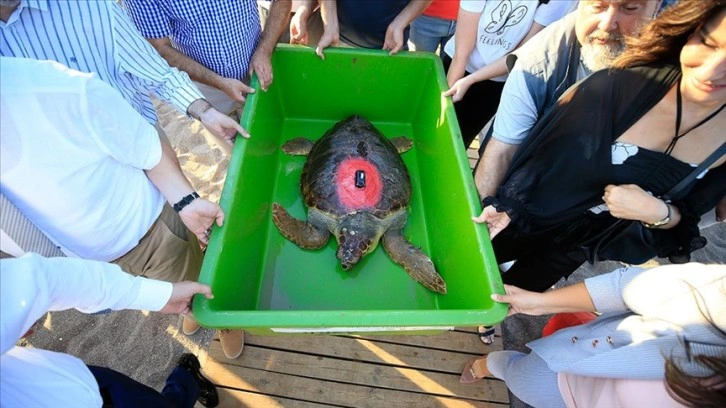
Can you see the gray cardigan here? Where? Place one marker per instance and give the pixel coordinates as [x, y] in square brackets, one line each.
[647, 315]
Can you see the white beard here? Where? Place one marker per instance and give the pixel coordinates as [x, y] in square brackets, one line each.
[597, 57]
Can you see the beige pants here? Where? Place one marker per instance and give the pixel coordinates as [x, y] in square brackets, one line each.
[168, 252]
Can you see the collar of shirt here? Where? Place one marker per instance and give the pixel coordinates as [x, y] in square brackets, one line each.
[15, 16]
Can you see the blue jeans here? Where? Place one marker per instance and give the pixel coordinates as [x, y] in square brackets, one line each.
[121, 391]
[428, 33]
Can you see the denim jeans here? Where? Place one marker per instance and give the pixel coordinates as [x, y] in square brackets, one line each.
[428, 33]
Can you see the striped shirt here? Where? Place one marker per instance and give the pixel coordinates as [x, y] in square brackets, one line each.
[97, 37]
[221, 35]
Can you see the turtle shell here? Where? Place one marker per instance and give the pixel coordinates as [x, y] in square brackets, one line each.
[353, 167]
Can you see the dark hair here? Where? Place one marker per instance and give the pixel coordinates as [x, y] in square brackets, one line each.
[663, 38]
[709, 391]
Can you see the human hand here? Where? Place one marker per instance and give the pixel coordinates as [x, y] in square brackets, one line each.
[299, 26]
[521, 301]
[182, 293]
[261, 65]
[394, 38]
[222, 126]
[630, 202]
[199, 216]
[331, 37]
[458, 90]
[496, 221]
[235, 89]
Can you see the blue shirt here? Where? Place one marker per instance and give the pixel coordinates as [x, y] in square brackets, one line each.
[97, 37]
[221, 35]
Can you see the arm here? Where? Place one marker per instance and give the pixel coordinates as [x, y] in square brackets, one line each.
[33, 285]
[493, 166]
[489, 71]
[235, 89]
[574, 298]
[331, 31]
[136, 58]
[299, 22]
[467, 24]
[394, 32]
[276, 23]
[167, 176]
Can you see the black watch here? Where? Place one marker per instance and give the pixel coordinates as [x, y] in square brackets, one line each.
[185, 201]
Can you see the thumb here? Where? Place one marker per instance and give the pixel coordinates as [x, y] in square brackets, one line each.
[449, 92]
[500, 298]
[319, 51]
[202, 289]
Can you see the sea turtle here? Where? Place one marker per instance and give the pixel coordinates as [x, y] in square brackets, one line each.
[356, 187]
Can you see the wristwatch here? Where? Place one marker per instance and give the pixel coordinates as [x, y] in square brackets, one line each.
[662, 222]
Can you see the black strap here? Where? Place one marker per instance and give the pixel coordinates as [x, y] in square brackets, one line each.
[679, 104]
[698, 170]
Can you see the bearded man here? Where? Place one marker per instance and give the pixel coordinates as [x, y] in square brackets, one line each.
[586, 40]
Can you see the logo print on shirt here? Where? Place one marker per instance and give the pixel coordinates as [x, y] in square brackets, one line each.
[503, 16]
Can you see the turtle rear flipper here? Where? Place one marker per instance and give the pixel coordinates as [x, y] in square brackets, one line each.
[402, 144]
[297, 147]
[303, 234]
[416, 263]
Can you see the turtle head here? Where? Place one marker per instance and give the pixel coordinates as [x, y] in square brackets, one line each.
[358, 235]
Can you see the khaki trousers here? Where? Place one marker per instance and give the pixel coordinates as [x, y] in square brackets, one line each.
[168, 252]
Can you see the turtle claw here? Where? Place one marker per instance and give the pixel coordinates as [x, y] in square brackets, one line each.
[402, 144]
[416, 263]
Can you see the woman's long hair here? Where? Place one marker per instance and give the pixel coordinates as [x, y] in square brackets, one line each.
[663, 38]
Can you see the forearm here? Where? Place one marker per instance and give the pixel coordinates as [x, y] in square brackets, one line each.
[276, 24]
[329, 14]
[573, 298]
[412, 10]
[195, 70]
[493, 166]
[465, 40]
[499, 67]
[168, 177]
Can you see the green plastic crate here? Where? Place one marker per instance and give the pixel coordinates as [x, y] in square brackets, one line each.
[266, 284]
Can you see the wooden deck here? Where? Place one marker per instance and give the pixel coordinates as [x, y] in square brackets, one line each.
[355, 371]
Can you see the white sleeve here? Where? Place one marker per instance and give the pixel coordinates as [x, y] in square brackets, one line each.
[32, 285]
[118, 128]
[547, 14]
[474, 6]
[517, 112]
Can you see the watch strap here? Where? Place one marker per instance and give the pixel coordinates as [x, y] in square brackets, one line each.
[185, 201]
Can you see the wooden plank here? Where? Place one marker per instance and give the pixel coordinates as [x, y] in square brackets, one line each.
[328, 392]
[360, 349]
[361, 373]
[232, 398]
[467, 342]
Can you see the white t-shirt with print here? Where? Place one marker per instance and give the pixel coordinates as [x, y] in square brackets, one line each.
[503, 24]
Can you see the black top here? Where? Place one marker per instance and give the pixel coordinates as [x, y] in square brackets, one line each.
[363, 23]
[562, 168]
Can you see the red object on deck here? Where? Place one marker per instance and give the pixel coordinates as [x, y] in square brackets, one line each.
[564, 320]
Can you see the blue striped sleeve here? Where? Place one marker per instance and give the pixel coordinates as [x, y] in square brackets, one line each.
[135, 57]
[148, 17]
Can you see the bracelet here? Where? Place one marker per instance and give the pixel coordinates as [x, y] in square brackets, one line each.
[185, 201]
[198, 112]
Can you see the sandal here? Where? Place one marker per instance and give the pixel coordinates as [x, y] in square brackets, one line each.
[486, 334]
[468, 375]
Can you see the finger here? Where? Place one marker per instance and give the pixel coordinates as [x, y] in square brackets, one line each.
[499, 298]
[609, 187]
[480, 219]
[494, 231]
[220, 217]
[319, 51]
[242, 131]
[203, 289]
[449, 92]
[396, 49]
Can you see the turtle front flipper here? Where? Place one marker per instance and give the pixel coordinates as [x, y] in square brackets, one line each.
[416, 263]
[402, 144]
[297, 147]
[303, 234]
